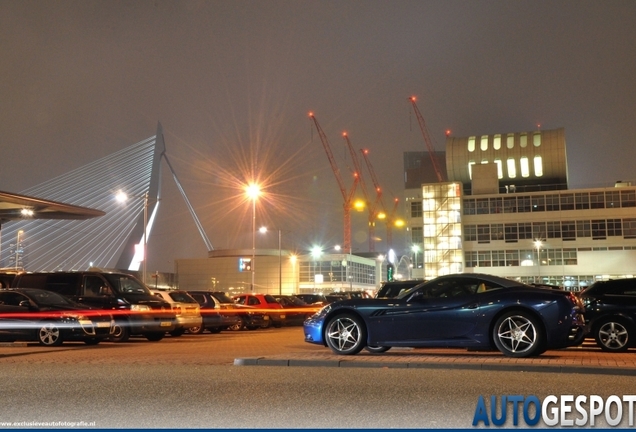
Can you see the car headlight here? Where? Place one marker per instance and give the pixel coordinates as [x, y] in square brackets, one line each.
[139, 308]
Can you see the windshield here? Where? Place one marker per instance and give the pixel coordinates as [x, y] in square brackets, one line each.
[222, 297]
[126, 284]
[181, 297]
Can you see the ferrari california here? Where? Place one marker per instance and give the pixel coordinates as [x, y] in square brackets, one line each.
[474, 311]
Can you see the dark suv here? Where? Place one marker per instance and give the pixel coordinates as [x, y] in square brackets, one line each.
[610, 313]
[394, 288]
[135, 310]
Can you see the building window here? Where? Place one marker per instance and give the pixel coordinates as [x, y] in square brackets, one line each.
[471, 144]
[483, 145]
[469, 207]
[552, 202]
[583, 229]
[567, 202]
[499, 169]
[582, 200]
[614, 228]
[512, 168]
[554, 256]
[538, 166]
[523, 140]
[470, 169]
[510, 204]
[629, 228]
[471, 258]
[496, 232]
[484, 259]
[510, 141]
[470, 233]
[612, 199]
[524, 204]
[599, 229]
[510, 233]
[416, 235]
[525, 231]
[597, 200]
[536, 139]
[483, 233]
[482, 206]
[498, 258]
[568, 230]
[538, 230]
[569, 257]
[512, 258]
[416, 209]
[554, 229]
[525, 167]
[496, 144]
[628, 198]
[538, 203]
[496, 205]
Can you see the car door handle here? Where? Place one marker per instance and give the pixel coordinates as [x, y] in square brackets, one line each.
[473, 306]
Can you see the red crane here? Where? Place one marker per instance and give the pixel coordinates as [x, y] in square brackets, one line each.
[427, 140]
[372, 207]
[347, 197]
[378, 200]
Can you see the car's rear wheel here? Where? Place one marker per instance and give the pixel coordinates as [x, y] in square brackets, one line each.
[613, 334]
[120, 332]
[377, 349]
[196, 330]
[236, 327]
[345, 334]
[49, 334]
[518, 334]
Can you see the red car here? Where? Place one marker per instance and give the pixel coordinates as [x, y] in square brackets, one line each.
[263, 301]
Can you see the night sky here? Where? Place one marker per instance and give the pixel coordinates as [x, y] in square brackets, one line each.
[232, 83]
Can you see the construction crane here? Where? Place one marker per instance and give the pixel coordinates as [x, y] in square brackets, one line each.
[372, 207]
[346, 196]
[378, 199]
[427, 140]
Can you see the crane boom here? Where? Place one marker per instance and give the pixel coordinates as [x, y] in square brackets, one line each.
[378, 200]
[347, 197]
[427, 140]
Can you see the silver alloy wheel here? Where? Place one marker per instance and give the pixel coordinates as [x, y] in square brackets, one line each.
[613, 336]
[344, 335]
[49, 335]
[517, 334]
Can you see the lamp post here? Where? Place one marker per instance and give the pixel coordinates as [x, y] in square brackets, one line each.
[537, 244]
[280, 260]
[253, 191]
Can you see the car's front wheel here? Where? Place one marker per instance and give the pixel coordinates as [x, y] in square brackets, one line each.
[345, 334]
[612, 335]
[518, 334]
[120, 332]
[196, 330]
[49, 334]
[377, 349]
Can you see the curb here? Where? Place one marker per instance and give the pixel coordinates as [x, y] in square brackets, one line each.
[598, 370]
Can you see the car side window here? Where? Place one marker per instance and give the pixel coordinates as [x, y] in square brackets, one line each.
[94, 286]
[240, 300]
[253, 301]
[12, 299]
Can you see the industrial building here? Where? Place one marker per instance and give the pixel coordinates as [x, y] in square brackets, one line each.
[505, 208]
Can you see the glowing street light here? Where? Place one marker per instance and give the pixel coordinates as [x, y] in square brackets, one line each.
[253, 191]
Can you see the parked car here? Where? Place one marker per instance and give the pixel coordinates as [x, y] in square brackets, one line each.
[267, 303]
[351, 294]
[296, 310]
[313, 298]
[393, 288]
[135, 310]
[459, 310]
[185, 308]
[31, 314]
[216, 316]
[251, 319]
[610, 313]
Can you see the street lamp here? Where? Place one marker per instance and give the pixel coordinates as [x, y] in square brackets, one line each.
[122, 197]
[537, 244]
[253, 191]
[280, 266]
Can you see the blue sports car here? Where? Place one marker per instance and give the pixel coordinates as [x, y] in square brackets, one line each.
[460, 310]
